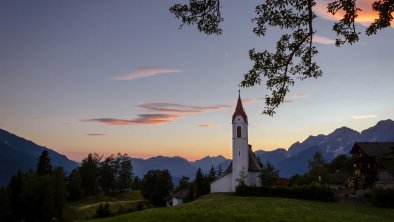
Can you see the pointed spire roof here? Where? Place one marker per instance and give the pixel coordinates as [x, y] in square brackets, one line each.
[239, 110]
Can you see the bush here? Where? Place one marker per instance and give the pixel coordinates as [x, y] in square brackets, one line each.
[310, 192]
[383, 197]
[103, 211]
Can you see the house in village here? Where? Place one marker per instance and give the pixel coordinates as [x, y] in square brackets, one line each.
[373, 164]
[244, 162]
[179, 197]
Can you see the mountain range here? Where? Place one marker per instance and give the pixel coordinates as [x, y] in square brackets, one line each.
[17, 153]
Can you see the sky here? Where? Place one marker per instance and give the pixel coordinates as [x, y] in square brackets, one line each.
[119, 76]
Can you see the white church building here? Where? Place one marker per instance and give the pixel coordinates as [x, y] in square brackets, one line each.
[243, 156]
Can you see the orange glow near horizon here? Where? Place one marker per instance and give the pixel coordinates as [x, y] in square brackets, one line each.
[365, 17]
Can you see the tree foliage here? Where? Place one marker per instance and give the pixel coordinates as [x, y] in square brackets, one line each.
[89, 171]
[316, 162]
[241, 178]
[202, 183]
[157, 186]
[335, 172]
[34, 197]
[268, 174]
[44, 166]
[124, 176]
[293, 57]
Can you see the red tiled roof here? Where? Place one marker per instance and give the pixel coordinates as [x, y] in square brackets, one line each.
[239, 110]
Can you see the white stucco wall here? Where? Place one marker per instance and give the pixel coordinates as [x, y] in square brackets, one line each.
[223, 184]
[240, 150]
[176, 201]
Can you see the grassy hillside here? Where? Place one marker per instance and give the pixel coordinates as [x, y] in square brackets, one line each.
[118, 204]
[222, 207]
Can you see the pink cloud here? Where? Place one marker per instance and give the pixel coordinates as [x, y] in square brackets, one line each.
[208, 125]
[246, 101]
[300, 95]
[323, 40]
[95, 134]
[179, 108]
[150, 119]
[365, 17]
[295, 97]
[146, 72]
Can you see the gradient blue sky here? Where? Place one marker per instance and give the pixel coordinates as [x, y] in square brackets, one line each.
[69, 68]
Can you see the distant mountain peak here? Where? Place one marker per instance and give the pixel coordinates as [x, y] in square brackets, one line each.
[18, 153]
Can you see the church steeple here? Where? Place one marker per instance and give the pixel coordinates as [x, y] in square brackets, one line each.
[239, 109]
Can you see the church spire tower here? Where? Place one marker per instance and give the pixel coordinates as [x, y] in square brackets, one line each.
[244, 160]
[240, 143]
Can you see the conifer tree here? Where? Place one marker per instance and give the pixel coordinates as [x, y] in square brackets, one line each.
[212, 174]
[44, 166]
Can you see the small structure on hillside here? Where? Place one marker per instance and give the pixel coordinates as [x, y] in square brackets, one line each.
[244, 163]
[179, 197]
[373, 164]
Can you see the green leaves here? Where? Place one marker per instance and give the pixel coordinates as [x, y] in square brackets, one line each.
[385, 9]
[205, 13]
[294, 51]
[293, 57]
[346, 26]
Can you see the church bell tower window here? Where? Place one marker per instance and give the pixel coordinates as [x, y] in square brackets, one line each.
[238, 132]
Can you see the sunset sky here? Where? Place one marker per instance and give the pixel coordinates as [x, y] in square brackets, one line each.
[119, 76]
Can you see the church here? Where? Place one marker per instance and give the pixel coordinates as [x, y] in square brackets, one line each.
[243, 160]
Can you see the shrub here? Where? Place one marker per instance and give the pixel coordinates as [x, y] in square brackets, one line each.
[383, 197]
[103, 211]
[310, 192]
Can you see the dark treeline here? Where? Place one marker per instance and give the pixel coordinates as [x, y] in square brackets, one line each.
[320, 171]
[97, 174]
[35, 195]
[41, 195]
[157, 187]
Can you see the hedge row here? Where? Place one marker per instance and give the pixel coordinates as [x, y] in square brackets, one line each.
[310, 192]
[383, 197]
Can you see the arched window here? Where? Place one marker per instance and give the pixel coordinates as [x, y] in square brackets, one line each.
[238, 132]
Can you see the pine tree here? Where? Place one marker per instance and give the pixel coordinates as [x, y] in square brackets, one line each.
[89, 171]
[60, 191]
[107, 174]
[125, 173]
[202, 184]
[220, 171]
[74, 185]
[44, 166]
[212, 174]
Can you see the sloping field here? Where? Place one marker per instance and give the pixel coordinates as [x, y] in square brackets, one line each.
[225, 208]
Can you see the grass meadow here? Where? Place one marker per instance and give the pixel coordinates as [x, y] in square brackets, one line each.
[222, 207]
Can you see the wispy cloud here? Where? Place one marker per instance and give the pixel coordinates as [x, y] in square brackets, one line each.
[364, 117]
[247, 101]
[208, 125]
[145, 72]
[300, 95]
[323, 40]
[293, 98]
[95, 134]
[165, 113]
[150, 119]
[365, 17]
[179, 108]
